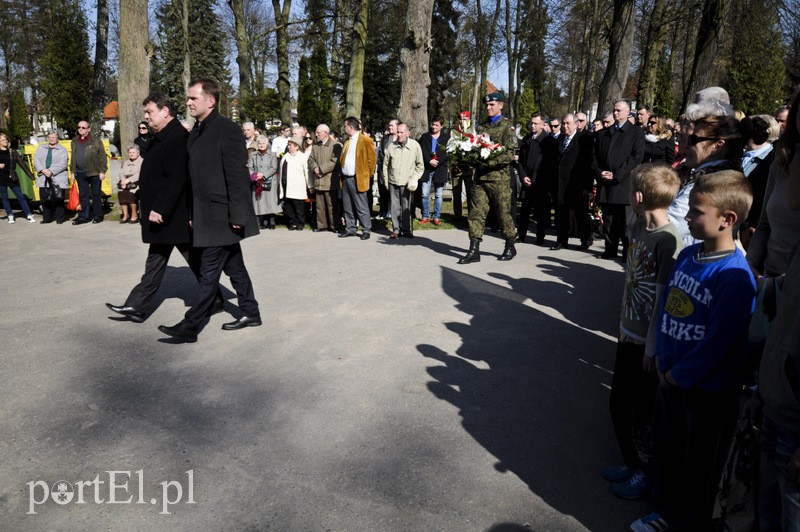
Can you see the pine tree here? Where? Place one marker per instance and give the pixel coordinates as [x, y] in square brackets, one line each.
[262, 106]
[66, 66]
[664, 100]
[527, 106]
[19, 123]
[757, 75]
[444, 55]
[314, 89]
[206, 49]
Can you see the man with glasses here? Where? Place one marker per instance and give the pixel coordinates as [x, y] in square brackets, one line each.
[555, 128]
[89, 165]
[618, 150]
[582, 122]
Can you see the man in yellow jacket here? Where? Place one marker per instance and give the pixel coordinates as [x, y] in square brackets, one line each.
[358, 164]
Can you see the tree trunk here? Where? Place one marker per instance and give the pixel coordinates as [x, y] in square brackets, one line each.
[415, 56]
[590, 67]
[100, 61]
[619, 55]
[705, 50]
[653, 48]
[355, 84]
[134, 66]
[282, 52]
[187, 60]
[242, 50]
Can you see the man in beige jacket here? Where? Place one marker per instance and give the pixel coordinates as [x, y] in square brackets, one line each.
[402, 168]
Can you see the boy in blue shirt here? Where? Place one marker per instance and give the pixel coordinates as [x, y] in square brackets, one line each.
[702, 342]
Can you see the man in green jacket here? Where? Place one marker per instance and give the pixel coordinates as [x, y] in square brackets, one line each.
[492, 182]
[89, 166]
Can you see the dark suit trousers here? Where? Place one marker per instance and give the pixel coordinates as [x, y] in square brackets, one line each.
[85, 183]
[577, 202]
[213, 261]
[525, 211]
[614, 222]
[543, 204]
[154, 270]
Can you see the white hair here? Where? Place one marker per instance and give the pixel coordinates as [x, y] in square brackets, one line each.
[248, 124]
[708, 107]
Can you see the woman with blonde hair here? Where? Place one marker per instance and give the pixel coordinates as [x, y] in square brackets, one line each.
[658, 144]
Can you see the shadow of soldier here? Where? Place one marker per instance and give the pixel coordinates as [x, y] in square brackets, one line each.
[532, 389]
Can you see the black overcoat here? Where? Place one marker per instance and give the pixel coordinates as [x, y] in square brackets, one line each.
[575, 166]
[618, 151]
[163, 187]
[220, 183]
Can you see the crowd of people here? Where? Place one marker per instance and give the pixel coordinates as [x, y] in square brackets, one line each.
[705, 211]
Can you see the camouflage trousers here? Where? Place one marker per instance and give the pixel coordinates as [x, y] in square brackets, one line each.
[484, 195]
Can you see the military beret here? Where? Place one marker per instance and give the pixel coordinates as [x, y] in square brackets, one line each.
[493, 97]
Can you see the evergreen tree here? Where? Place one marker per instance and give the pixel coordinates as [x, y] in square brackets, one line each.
[527, 106]
[207, 52]
[263, 105]
[757, 74]
[382, 63]
[664, 100]
[314, 89]
[66, 66]
[19, 123]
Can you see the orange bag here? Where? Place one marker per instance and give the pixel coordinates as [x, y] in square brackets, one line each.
[74, 202]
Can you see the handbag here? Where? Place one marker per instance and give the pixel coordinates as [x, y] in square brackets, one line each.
[74, 203]
[51, 193]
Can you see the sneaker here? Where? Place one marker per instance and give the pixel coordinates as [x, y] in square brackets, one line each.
[650, 523]
[425, 221]
[31, 219]
[436, 221]
[617, 474]
[11, 218]
[635, 488]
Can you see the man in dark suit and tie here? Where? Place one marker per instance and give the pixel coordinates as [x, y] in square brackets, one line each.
[618, 150]
[222, 211]
[165, 205]
[574, 183]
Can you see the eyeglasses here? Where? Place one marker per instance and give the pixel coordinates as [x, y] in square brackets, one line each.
[143, 128]
[555, 125]
[83, 127]
[695, 139]
[651, 123]
[581, 120]
[307, 138]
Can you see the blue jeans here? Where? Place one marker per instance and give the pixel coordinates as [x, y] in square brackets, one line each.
[426, 201]
[84, 184]
[20, 198]
[779, 501]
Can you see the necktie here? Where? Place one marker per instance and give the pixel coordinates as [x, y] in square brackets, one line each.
[566, 142]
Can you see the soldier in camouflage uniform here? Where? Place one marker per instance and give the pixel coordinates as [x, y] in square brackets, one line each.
[491, 182]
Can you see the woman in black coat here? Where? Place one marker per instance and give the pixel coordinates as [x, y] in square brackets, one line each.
[658, 144]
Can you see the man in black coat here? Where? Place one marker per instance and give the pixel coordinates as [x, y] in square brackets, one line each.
[618, 150]
[165, 206]
[436, 171]
[530, 157]
[222, 211]
[575, 179]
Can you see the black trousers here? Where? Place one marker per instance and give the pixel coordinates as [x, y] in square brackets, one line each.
[614, 222]
[692, 431]
[53, 211]
[543, 197]
[577, 202]
[154, 269]
[526, 209]
[295, 212]
[214, 261]
[633, 394]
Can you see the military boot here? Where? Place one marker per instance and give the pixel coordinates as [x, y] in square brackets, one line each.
[474, 253]
[509, 252]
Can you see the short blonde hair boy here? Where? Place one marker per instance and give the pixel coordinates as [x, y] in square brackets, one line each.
[658, 184]
[729, 190]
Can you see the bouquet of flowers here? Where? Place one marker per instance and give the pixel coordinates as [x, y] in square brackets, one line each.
[472, 149]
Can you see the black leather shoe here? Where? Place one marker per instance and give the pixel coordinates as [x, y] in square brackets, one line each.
[521, 239]
[407, 234]
[608, 255]
[219, 306]
[80, 221]
[584, 246]
[43, 222]
[364, 236]
[179, 333]
[241, 323]
[97, 221]
[558, 247]
[345, 235]
[131, 312]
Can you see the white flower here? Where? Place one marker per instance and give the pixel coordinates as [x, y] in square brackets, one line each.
[466, 146]
[485, 153]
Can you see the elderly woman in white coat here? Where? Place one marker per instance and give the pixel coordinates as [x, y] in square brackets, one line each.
[50, 162]
[295, 184]
[263, 166]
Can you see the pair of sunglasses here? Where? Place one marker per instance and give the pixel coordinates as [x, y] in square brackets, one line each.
[696, 139]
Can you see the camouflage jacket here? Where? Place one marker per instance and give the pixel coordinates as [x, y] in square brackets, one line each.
[501, 132]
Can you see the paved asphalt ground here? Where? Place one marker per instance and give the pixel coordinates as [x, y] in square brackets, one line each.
[388, 389]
